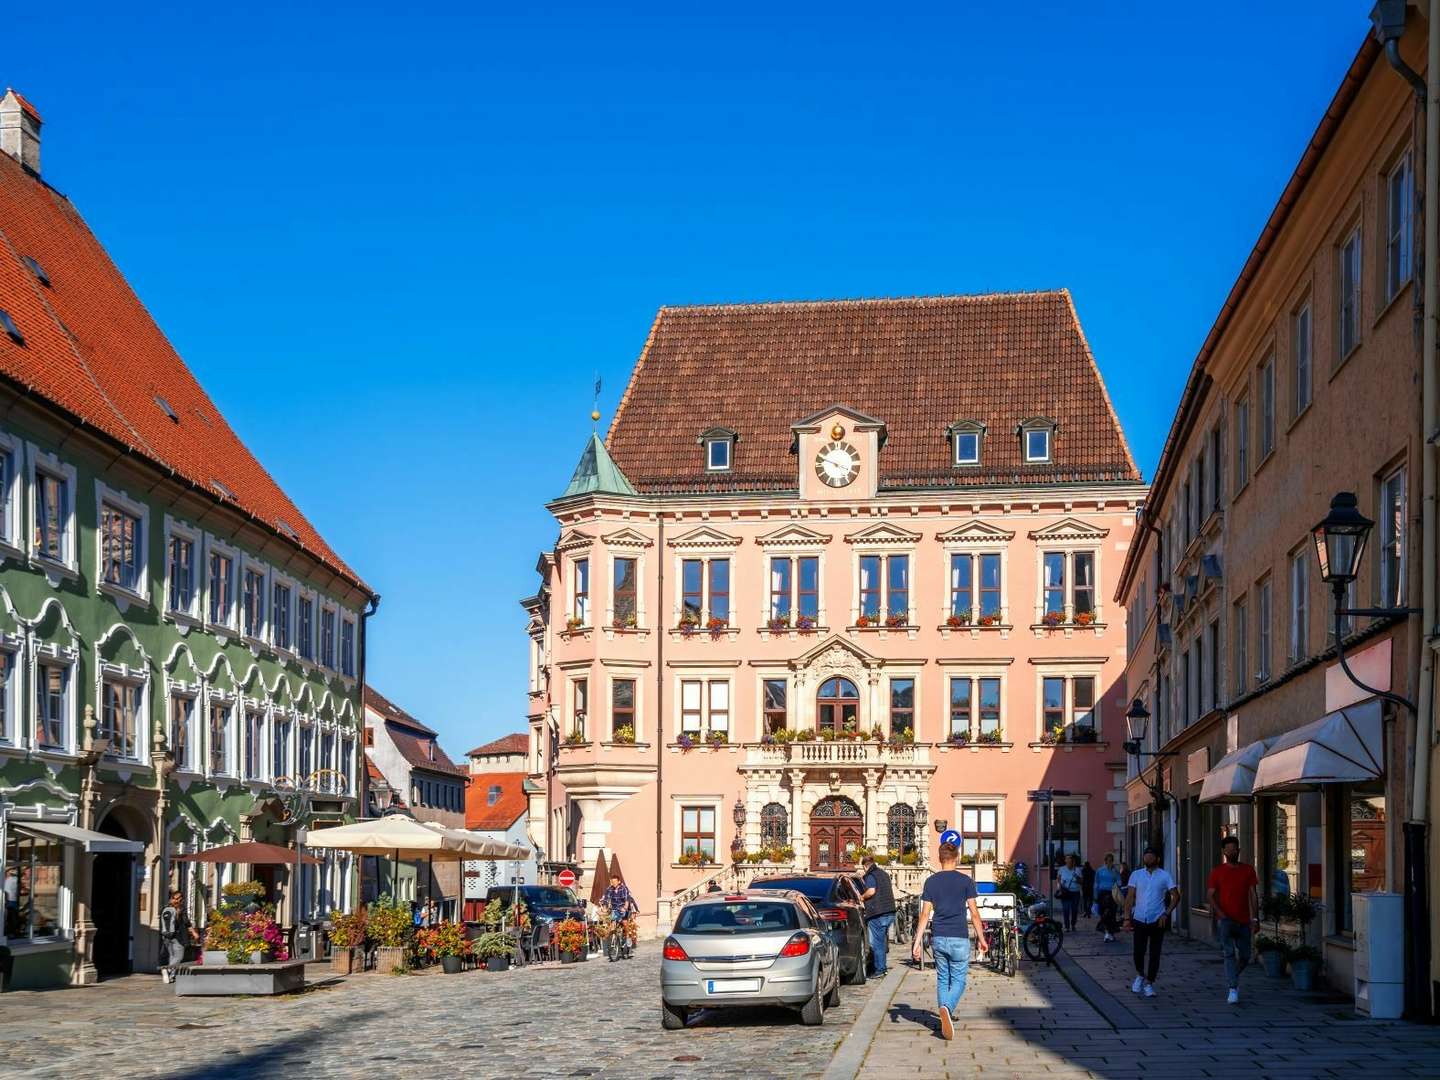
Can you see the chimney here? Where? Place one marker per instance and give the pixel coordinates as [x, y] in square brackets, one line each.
[20, 130]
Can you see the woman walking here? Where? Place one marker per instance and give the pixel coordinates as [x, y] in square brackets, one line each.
[1107, 880]
[1072, 886]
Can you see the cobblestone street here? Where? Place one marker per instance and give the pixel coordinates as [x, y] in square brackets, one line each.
[594, 1019]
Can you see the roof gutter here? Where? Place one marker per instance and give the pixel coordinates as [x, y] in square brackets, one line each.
[1194, 386]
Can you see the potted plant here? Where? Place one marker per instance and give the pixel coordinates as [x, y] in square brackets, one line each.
[627, 621]
[347, 936]
[960, 738]
[990, 738]
[903, 737]
[495, 948]
[1085, 734]
[573, 623]
[1272, 954]
[959, 618]
[717, 627]
[910, 858]
[625, 735]
[897, 618]
[392, 929]
[805, 624]
[805, 736]
[717, 738]
[258, 939]
[693, 857]
[242, 893]
[686, 742]
[1052, 735]
[989, 620]
[1084, 618]
[882, 858]
[689, 620]
[570, 940]
[779, 622]
[865, 621]
[576, 738]
[447, 943]
[1304, 964]
[1053, 618]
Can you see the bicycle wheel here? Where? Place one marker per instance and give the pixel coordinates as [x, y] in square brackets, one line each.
[1042, 940]
[1012, 952]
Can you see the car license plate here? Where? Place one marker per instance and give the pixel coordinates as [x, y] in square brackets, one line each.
[731, 986]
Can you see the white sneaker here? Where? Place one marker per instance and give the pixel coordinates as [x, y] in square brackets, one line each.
[1149, 990]
[1109, 936]
[1232, 998]
[1136, 986]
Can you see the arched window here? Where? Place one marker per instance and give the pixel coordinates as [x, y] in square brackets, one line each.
[774, 825]
[837, 706]
[900, 833]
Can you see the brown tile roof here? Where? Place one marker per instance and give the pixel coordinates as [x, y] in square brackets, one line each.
[390, 711]
[517, 743]
[418, 744]
[512, 802]
[918, 364]
[92, 349]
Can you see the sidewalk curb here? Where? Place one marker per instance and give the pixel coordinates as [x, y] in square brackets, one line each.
[1110, 1008]
[850, 1054]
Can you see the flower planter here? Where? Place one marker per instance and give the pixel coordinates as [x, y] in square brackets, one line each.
[342, 960]
[571, 957]
[1302, 974]
[389, 957]
[450, 965]
[497, 963]
[1274, 963]
[215, 957]
[261, 956]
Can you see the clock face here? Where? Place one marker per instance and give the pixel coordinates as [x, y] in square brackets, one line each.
[837, 463]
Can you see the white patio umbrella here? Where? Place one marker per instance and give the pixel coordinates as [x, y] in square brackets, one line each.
[479, 846]
[396, 835]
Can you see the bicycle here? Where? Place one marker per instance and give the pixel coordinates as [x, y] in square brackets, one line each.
[907, 913]
[619, 945]
[1003, 938]
[1043, 937]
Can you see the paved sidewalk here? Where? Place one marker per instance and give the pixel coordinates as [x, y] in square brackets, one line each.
[1040, 1024]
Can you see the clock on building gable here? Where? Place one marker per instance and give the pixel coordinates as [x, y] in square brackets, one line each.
[837, 463]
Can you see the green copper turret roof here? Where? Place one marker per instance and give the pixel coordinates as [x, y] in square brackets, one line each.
[597, 473]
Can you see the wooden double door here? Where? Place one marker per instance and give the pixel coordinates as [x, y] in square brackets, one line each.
[836, 826]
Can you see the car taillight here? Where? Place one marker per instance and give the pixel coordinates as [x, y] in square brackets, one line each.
[832, 915]
[673, 951]
[798, 945]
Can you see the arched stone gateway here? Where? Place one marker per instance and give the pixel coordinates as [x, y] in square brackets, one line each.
[114, 896]
[836, 825]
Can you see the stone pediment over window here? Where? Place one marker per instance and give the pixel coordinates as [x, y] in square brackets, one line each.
[883, 535]
[792, 536]
[976, 532]
[837, 655]
[1069, 529]
[626, 538]
[703, 537]
[574, 540]
[858, 422]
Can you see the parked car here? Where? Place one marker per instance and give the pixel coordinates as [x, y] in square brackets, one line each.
[546, 903]
[757, 947]
[837, 900]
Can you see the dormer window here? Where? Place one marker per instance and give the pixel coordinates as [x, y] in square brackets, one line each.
[965, 439]
[1037, 437]
[719, 444]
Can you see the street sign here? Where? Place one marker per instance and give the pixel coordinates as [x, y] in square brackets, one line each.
[1039, 796]
[565, 878]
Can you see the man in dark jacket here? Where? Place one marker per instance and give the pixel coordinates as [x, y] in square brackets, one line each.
[1087, 888]
[879, 897]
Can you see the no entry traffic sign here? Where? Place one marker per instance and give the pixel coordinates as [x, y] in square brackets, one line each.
[566, 878]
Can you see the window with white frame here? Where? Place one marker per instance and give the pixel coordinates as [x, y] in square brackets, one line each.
[1348, 295]
[121, 717]
[705, 591]
[254, 740]
[184, 740]
[10, 487]
[280, 608]
[37, 869]
[795, 589]
[1242, 442]
[965, 439]
[1069, 708]
[306, 764]
[1067, 584]
[122, 548]
[53, 705]
[1392, 539]
[622, 707]
[221, 600]
[252, 603]
[717, 454]
[980, 832]
[327, 758]
[1399, 226]
[327, 637]
[282, 729]
[182, 592]
[1301, 352]
[698, 832]
[347, 648]
[625, 590]
[580, 593]
[902, 707]
[1067, 831]
[579, 706]
[775, 695]
[975, 590]
[883, 590]
[1299, 605]
[1262, 636]
[1036, 439]
[9, 712]
[221, 735]
[347, 763]
[975, 708]
[54, 514]
[1266, 379]
[305, 627]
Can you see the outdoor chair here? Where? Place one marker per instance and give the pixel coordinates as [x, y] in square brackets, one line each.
[542, 945]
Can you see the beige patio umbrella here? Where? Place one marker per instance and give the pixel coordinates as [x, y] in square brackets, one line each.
[479, 846]
[396, 835]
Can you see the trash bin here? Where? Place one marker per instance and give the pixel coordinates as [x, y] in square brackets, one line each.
[306, 939]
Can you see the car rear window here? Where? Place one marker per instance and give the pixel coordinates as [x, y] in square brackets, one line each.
[544, 895]
[741, 917]
[817, 889]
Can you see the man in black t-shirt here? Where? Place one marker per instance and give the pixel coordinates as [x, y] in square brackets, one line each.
[879, 897]
[950, 897]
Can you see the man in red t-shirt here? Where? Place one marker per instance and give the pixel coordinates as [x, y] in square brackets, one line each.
[1236, 910]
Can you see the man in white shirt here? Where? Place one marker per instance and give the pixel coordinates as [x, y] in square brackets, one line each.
[1150, 897]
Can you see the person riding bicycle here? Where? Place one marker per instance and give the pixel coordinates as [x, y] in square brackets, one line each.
[619, 904]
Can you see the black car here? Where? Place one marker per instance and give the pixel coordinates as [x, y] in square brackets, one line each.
[841, 911]
[546, 903]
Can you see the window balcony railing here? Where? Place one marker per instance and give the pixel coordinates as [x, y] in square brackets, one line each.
[838, 752]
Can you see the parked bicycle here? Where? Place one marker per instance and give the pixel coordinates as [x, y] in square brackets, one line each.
[1042, 935]
[907, 914]
[1003, 937]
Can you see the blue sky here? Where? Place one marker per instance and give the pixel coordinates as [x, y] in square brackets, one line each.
[396, 244]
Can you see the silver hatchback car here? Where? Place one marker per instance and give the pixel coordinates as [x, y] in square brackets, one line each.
[757, 947]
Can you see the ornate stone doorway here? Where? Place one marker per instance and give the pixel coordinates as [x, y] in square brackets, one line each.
[835, 825]
[112, 904]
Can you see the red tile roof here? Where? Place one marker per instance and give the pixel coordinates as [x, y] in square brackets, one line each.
[418, 744]
[513, 801]
[373, 771]
[390, 711]
[918, 364]
[517, 743]
[93, 350]
[34, 112]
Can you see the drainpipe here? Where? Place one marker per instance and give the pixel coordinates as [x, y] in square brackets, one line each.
[1389, 20]
[362, 783]
[661, 626]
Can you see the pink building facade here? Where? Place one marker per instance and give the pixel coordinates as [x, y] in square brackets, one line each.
[838, 572]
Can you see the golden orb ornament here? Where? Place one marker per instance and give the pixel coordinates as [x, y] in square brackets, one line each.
[837, 432]
[595, 414]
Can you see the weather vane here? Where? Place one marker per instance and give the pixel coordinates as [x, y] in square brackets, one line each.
[595, 411]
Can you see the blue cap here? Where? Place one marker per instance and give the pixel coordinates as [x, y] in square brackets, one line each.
[950, 836]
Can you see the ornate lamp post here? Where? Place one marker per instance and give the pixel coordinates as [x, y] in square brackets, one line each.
[1137, 722]
[1340, 538]
[737, 844]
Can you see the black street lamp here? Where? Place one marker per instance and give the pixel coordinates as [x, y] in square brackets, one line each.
[1137, 722]
[1339, 547]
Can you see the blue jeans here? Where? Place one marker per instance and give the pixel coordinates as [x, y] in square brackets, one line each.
[1070, 908]
[1235, 944]
[952, 968]
[879, 928]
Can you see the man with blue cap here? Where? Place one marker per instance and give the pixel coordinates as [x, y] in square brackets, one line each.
[949, 897]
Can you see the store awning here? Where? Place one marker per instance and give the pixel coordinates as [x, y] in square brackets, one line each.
[1342, 747]
[1232, 780]
[96, 843]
